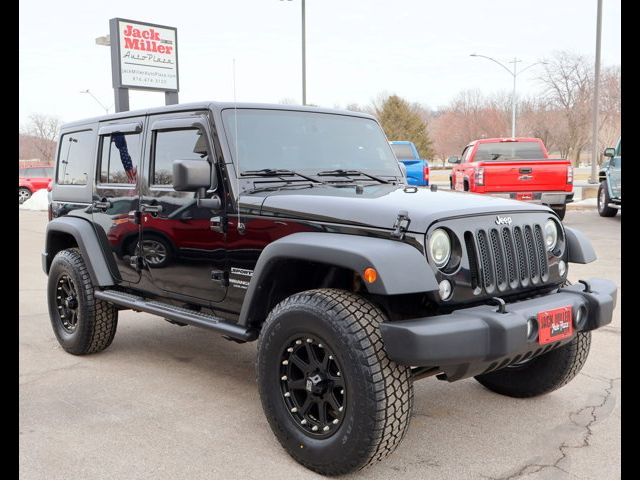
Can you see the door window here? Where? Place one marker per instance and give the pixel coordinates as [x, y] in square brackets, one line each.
[119, 158]
[170, 145]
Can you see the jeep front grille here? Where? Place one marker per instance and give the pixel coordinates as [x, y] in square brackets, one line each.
[507, 258]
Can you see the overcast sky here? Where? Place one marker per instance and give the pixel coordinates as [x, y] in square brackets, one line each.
[356, 49]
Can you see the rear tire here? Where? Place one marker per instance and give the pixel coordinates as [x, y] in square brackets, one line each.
[377, 394]
[560, 210]
[82, 324]
[603, 201]
[542, 374]
[24, 194]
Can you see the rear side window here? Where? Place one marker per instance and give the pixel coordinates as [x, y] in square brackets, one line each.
[170, 145]
[403, 151]
[23, 172]
[36, 172]
[119, 158]
[75, 157]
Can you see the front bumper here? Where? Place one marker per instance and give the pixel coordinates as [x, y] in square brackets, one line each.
[474, 340]
[545, 198]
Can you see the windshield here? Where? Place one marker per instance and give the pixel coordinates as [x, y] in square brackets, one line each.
[505, 151]
[403, 151]
[308, 142]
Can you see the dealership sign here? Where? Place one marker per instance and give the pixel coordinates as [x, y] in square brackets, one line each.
[145, 56]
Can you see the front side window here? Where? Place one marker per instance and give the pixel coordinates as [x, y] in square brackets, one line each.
[75, 157]
[170, 145]
[119, 158]
[308, 142]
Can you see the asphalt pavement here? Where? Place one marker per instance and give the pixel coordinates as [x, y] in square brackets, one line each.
[169, 402]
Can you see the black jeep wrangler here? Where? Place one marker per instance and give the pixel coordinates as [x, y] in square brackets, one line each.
[294, 226]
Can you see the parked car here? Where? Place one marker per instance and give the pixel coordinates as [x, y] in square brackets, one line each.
[31, 179]
[517, 168]
[610, 176]
[297, 229]
[417, 168]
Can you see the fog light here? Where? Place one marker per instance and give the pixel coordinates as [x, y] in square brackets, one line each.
[532, 329]
[580, 318]
[445, 289]
[562, 268]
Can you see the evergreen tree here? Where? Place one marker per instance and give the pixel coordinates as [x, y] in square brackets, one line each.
[402, 121]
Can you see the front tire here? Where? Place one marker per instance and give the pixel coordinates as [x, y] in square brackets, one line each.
[341, 418]
[542, 374]
[81, 323]
[603, 201]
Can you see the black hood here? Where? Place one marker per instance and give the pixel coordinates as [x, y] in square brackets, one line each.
[378, 205]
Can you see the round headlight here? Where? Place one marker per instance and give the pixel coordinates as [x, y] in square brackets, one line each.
[440, 247]
[550, 234]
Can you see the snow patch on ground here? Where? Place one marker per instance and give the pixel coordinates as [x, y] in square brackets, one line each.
[39, 201]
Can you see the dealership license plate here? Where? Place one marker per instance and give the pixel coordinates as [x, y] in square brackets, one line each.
[524, 196]
[554, 325]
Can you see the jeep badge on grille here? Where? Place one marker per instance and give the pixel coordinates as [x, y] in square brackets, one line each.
[503, 220]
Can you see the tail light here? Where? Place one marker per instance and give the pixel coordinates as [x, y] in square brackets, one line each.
[569, 174]
[479, 176]
[425, 173]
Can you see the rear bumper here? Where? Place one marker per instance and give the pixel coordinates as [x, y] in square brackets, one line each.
[473, 340]
[546, 198]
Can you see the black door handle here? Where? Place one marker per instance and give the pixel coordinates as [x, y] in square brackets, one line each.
[526, 170]
[102, 204]
[151, 208]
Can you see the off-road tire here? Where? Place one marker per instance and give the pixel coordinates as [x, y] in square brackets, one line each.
[97, 320]
[542, 374]
[560, 210]
[603, 206]
[379, 395]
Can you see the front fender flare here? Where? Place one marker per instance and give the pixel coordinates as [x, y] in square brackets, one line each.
[579, 247]
[401, 268]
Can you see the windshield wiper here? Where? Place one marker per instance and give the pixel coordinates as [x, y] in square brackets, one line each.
[277, 172]
[345, 173]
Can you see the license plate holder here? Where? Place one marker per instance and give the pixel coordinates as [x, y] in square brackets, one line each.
[555, 324]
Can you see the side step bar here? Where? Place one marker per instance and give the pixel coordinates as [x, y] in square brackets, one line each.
[177, 314]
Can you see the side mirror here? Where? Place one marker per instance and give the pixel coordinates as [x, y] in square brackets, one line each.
[191, 175]
[403, 167]
[610, 152]
[453, 159]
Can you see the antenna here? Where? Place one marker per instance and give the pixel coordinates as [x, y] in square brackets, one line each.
[240, 225]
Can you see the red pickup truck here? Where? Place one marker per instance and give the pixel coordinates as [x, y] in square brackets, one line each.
[518, 168]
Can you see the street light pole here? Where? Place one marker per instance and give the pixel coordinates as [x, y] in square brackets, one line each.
[106, 109]
[304, 54]
[514, 73]
[595, 153]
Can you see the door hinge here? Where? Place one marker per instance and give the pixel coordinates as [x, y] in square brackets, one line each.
[220, 276]
[136, 262]
[218, 224]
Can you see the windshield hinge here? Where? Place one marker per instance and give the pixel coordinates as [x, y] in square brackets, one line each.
[401, 225]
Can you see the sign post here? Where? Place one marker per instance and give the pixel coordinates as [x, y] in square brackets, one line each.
[144, 56]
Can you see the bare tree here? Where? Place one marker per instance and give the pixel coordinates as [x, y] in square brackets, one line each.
[568, 82]
[42, 130]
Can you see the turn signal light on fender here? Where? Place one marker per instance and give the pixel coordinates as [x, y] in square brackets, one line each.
[370, 275]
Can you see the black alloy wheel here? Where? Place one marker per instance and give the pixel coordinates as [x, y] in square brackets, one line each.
[312, 386]
[67, 303]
